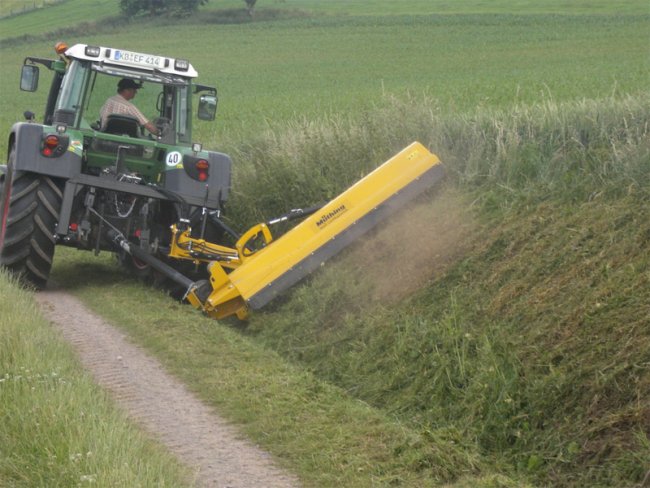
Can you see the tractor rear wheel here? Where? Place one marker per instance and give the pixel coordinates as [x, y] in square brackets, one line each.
[29, 211]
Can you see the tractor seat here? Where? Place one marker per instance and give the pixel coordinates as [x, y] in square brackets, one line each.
[122, 125]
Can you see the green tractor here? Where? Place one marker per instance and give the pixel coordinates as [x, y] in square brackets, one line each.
[81, 177]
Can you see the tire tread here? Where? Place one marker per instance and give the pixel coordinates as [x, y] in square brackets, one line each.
[29, 243]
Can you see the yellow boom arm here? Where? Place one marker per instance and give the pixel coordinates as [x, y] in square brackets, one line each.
[261, 276]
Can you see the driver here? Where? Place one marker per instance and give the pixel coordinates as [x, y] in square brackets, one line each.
[120, 104]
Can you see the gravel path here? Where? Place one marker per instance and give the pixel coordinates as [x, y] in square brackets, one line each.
[219, 456]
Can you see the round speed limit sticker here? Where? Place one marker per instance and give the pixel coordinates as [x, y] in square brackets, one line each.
[174, 158]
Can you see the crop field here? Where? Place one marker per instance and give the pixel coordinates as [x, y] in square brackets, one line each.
[17, 7]
[348, 63]
[498, 335]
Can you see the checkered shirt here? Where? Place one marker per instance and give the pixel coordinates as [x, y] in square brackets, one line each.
[117, 105]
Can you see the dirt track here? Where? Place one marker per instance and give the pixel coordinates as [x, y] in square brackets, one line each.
[159, 402]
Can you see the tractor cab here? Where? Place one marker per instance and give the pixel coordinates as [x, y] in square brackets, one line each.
[87, 76]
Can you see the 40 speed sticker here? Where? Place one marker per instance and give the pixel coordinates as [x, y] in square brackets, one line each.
[174, 159]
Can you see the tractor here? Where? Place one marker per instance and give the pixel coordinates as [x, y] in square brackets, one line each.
[68, 180]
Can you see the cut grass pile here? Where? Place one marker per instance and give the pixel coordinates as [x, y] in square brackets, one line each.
[57, 428]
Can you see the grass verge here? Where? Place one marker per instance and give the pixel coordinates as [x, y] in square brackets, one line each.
[529, 336]
[317, 430]
[58, 428]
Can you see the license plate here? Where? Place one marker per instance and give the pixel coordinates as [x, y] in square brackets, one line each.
[137, 59]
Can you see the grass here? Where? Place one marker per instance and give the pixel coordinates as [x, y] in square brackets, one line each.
[527, 347]
[58, 428]
[326, 436]
[424, 7]
[507, 331]
[528, 331]
[56, 16]
[462, 61]
[496, 334]
[19, 7]
[569, 152]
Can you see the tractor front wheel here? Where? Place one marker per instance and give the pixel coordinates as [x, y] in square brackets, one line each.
[29, 211]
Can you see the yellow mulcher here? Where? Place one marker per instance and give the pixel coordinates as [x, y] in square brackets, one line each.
[259, 268]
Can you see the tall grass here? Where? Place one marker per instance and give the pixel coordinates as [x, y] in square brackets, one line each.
[565, 150]
[57, 428]
[569, 151]
[534, 344]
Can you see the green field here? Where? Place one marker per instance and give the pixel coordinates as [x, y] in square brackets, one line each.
[498, 333]
[462, 61]
[19, 7]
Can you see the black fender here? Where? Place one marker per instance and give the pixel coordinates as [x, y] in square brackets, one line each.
[214, 191]
[27, 140]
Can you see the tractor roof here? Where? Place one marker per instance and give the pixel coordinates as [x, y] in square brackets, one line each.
[131, 59]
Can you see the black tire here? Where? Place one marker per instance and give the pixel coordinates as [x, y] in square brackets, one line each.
[29, 211]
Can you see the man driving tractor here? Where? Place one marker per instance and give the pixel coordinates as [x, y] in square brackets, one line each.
[120, 104]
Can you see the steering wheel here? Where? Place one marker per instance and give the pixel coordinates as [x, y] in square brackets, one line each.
[164, 125]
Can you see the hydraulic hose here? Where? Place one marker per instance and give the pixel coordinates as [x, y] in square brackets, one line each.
[223, 226]
[175, 197]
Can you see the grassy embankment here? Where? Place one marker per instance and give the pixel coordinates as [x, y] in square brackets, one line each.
[534, 343]
[504, 318]
[524, 353]
[57, 427]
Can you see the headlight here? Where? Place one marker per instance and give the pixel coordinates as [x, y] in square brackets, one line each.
[181, 65]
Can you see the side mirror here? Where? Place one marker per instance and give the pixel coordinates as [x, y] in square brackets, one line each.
[29, 78]
[207, 107]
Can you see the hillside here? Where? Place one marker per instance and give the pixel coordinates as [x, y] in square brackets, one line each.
[517, 298]
[497, 331]
[510, 320]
